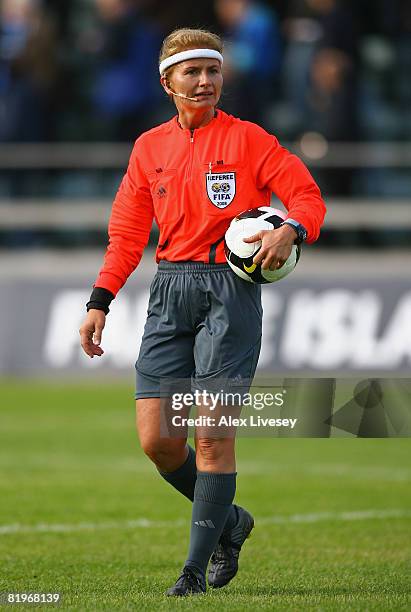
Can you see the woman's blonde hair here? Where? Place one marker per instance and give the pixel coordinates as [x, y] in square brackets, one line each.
[184, 39]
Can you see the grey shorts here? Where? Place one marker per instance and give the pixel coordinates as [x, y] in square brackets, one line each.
[203, 325]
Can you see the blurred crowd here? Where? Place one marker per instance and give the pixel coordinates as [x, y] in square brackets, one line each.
[87, 71]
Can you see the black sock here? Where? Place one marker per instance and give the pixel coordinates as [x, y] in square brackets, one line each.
[213, 496]
[184, 479]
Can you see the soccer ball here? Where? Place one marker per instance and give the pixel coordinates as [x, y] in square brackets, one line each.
[240, 254]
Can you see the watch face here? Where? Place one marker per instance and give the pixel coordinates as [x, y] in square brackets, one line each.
[301, 233]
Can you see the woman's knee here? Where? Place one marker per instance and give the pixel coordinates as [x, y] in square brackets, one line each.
[213, 450]
[164, 451]
[167, 453]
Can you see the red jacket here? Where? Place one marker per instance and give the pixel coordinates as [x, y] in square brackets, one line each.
[193, 183]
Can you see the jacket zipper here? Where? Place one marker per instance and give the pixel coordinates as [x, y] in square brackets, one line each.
[190, 157]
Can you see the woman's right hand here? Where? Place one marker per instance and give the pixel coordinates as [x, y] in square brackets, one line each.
[90, 332]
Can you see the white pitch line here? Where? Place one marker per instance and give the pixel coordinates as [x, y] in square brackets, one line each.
[144, 523]
[141, 523]
[358, 515]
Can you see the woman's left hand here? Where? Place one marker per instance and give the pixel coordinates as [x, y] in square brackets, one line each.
[275, 248]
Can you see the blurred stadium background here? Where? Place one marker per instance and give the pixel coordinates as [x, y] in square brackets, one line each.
[78, 83]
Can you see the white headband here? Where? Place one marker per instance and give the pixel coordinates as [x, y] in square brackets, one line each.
[190, 54]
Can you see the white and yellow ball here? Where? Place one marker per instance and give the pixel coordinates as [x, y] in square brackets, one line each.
[240, 254]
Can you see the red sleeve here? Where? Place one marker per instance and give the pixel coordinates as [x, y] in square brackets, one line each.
[129, 227]
[285, 174]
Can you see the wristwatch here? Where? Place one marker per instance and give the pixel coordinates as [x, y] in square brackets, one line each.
[299, 230]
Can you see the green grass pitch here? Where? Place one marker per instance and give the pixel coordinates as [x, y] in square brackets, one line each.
[83, 513]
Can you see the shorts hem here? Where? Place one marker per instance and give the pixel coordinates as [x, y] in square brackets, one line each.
[150, 394]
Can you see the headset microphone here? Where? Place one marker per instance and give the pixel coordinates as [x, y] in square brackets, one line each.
[180, 95]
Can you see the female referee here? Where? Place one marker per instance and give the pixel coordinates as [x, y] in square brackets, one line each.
[203, 323]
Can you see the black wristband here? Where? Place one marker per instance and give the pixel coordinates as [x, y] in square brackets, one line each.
[100, 299]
